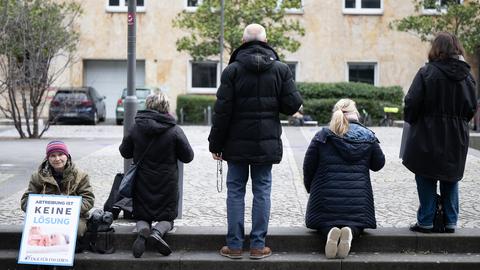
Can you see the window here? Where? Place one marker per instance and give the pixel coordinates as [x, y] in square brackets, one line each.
[363, 7]
[122, 6]
[203, 76]
[364, 72]
[192, 5]
[293, 68]
[437, 6]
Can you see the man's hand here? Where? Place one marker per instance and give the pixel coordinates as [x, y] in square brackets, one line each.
[217, 156]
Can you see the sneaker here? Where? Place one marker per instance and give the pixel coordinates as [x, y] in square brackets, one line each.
[139, 244]
[345, 242]
[416, 228]
[231, 253]
[332, 242]
[260, 253]
[160, 244]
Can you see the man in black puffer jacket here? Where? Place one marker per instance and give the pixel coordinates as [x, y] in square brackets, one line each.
[255, 88]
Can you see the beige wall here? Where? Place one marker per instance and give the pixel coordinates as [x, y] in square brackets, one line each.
[332, 39]
[104, 36]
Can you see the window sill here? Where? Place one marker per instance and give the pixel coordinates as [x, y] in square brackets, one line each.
[191, 9]
[434, 11]
[123, 9]
[198, 90]
[365, 11]
[294, 11]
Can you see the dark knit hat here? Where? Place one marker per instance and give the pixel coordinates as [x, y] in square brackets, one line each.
[56, 146]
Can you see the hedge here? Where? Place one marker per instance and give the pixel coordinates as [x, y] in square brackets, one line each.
[319, 99]
[392, 94]
[321, 109]
[193, 107]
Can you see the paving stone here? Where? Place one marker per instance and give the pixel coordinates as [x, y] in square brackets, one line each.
[394, 186]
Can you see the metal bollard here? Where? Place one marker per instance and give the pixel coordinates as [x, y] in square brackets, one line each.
[209, 115]
[181, 116]
[205, 120]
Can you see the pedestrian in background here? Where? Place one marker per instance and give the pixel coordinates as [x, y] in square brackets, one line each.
[155, 192]
[438, 106]
[58, 175]
[336, 173]
[255, 88]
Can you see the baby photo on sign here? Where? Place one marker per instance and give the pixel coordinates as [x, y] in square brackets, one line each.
[41, 240]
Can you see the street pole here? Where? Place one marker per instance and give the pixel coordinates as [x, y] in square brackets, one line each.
[131, 98]
[222, 19]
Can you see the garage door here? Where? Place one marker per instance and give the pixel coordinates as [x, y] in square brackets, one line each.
[109, 77]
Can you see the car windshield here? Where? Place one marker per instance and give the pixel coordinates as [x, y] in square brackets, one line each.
[141, 93]
[70, 96]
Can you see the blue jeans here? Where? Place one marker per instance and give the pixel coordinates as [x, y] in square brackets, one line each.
[237, 178]
[427, 189]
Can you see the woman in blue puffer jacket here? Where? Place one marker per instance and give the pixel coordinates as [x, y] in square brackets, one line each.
[336, 173]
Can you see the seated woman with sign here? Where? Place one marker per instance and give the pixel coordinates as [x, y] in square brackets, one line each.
[57, 175]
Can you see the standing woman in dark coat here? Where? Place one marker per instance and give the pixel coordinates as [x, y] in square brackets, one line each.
[336, 173]
[155, 193]
[438, 106]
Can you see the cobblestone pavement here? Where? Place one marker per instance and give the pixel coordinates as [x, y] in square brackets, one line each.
[394, 186]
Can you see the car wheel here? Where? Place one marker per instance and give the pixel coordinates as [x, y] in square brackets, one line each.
[51, 121]
[119, 121]
[94, 120]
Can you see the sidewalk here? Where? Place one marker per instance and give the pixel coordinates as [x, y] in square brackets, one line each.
[394, 186]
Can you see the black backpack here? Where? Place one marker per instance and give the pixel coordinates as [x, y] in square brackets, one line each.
[100, 237]
[439, 220]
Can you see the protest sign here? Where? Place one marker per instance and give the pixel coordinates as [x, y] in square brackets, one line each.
[50, 230]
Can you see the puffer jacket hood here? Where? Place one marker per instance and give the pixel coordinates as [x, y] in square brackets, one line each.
[255, 56]
[152, 122]
[353, 145]
[454, 69]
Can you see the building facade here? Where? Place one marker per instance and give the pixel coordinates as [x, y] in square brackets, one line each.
[345, 40]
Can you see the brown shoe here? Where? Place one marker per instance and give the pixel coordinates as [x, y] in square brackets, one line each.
[260, 253]
[231, 253]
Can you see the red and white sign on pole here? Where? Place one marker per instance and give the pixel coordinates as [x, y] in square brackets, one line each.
[131, 19]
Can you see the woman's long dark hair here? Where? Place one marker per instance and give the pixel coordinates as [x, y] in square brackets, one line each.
[444, 46]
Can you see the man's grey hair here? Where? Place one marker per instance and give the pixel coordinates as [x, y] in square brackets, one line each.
[253, 32]
[158, 102]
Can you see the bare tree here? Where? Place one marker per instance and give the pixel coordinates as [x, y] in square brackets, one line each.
[33, 35]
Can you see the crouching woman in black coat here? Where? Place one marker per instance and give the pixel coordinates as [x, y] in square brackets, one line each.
[336, 174]
[155, 192]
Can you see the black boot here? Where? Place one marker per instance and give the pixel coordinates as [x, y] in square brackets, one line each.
[162, 246]
[138, 247]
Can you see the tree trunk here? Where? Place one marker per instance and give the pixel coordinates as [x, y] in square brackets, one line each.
[35, 122]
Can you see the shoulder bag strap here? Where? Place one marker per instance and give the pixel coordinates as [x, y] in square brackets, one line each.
[145, 152]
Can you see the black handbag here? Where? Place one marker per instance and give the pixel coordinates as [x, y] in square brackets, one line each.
[126, 186]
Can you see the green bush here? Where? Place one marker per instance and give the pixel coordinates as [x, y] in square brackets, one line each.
[193, 107]
[321, 109]
[319, 99]
[392, 94]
